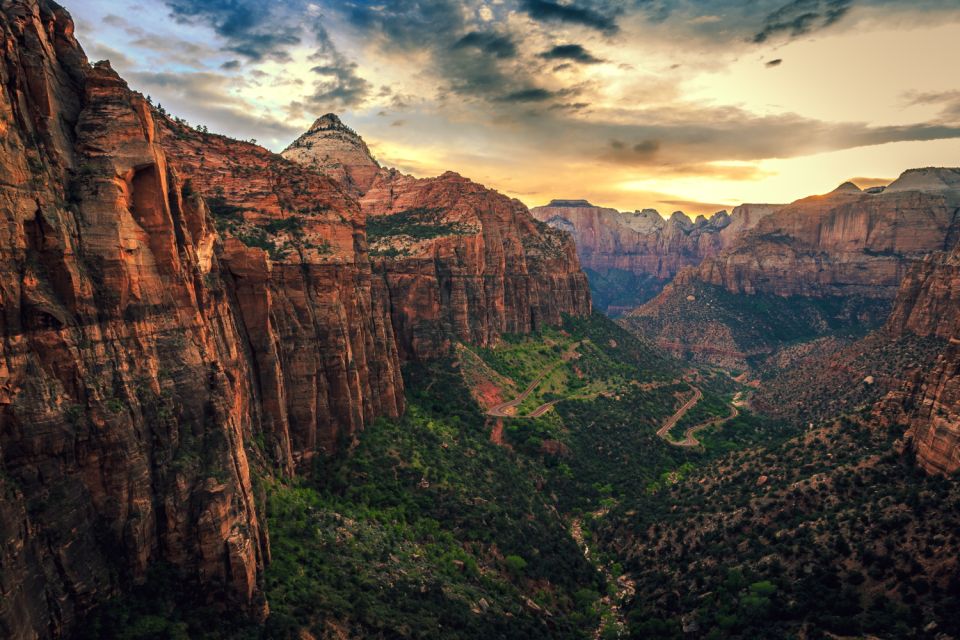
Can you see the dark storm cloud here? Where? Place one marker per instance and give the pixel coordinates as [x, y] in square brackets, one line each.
[500, 46]
[800, 17]
[251, 28]
[533, 94]
[573, 52]
[338, 86]
[405, 24]
[545, 10]
[260, 30]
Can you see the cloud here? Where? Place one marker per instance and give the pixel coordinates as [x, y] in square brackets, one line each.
[545, 10]
[573, 52]
[254, 29]
[338, 85]
[500, 46]
[533, 94]
[866, 183]
[118, 60]
[800, 17]
[948, 101]
[205, 98]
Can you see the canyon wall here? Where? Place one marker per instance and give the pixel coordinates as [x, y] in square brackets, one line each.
[458, 261]
[819, 265]
[643, 242]
[929, 305]
[182, 312]
[126, 394]
[630, 257]
[847, 242]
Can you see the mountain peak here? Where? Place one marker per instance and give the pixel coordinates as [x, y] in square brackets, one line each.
[328, 122]
[847, 187]
[569, 203]
[927, 179]
[336, 150]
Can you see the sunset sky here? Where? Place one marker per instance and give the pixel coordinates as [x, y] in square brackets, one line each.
[694, 104]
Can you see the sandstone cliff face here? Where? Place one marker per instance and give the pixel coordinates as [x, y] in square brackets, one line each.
[457, 261]
[178, 307]
[643, 242]
[125, 399]
[172, 303]
[314, 316]
[847, 242]
[929, 305]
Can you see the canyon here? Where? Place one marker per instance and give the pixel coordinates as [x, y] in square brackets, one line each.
[642, 247]
[184, 313]
[303, 395]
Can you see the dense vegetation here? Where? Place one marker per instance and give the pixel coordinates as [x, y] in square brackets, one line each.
[419, 223]
[758, 325]
[829, 532]
[429, 529]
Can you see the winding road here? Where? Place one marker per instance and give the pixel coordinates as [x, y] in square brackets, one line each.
[689, 436]
[503, 410]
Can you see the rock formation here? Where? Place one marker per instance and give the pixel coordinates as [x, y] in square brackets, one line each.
[183, 311]
[336, 150]
[832, 260]
[842, 243]
[458, 261]
[929, 305]
[126, 393]
[643, 243]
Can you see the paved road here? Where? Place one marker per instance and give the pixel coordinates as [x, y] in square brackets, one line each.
[689, 436]
[502, 410]
[664, 431]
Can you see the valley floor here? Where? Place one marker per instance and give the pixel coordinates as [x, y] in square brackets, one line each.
[535, 489]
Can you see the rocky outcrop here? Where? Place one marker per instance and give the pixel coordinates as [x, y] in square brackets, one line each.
[125, 396]
[847, 242]
[177, 309]
[643, 243]
[929, 305]
[336, 150]
[463, 262]
[313, 314]
[459, 261]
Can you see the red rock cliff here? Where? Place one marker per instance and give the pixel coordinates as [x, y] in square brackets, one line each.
[843, 243]
[643, 242]
[125, 393]
[458, 261]
[172, 303]
[929, 305]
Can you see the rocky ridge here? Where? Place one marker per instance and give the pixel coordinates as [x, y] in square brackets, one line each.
[834, 255]
[459, 261]
[929, 305]
[643, 243]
